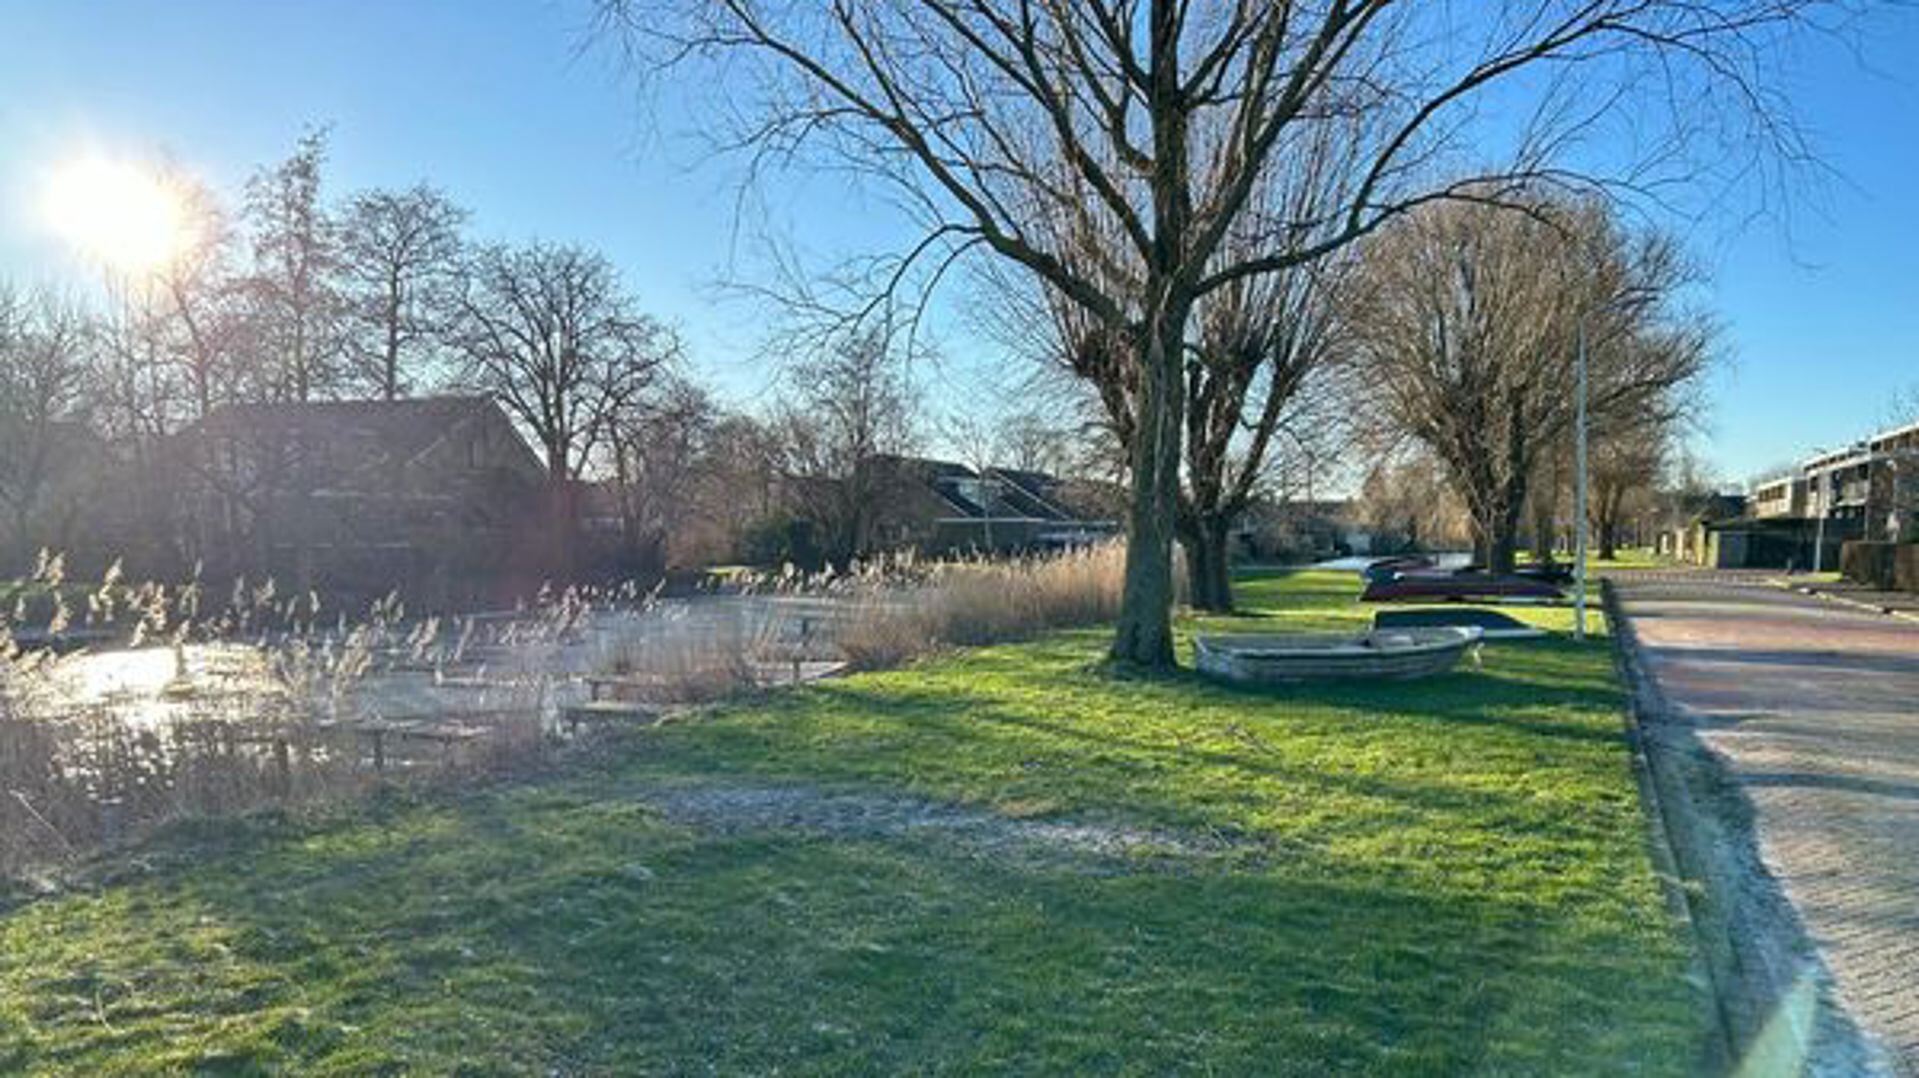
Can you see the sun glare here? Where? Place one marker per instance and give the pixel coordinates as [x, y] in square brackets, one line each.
[122, 214]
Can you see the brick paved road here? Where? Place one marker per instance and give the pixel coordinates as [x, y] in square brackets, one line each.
[1816, 708]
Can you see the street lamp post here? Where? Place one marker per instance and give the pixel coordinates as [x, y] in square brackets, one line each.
[1819, 529]
[1579, 487]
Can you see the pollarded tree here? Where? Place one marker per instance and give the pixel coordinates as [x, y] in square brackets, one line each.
[1259, 368]
[993, 119]
[1467, 323]
[1261, 363]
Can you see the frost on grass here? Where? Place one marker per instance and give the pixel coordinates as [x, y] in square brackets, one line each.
[735, 809]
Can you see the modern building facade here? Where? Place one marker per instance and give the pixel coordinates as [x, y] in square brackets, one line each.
[1867, 490]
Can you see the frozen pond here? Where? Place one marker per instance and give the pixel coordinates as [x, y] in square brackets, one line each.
[1357, 562]
[460, 668]
[96, 745]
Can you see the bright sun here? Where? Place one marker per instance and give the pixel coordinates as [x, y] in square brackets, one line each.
[125, 215]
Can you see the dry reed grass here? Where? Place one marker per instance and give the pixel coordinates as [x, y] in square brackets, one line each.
[300, 730]
[982, 602]
[298, 727]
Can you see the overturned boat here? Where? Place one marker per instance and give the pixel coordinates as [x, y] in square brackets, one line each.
[1458, 586]
[1492, 624]
[1382, 654]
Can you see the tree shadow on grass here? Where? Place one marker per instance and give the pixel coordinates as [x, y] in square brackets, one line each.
[1179, 766]
[575, 936]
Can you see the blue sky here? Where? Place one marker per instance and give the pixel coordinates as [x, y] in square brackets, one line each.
[495, 103]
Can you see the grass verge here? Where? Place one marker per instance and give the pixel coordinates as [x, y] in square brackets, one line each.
[1001, 860]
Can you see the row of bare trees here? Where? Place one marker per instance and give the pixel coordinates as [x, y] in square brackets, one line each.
[381, 295]
[89, 399]
[291, 298]
[1467, 323]
[1145, 133]
[294, 296]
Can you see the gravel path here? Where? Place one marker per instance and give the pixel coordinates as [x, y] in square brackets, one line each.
[1815, 710]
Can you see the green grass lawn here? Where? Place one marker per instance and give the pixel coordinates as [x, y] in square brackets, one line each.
[1623, 558]
[1001, 861]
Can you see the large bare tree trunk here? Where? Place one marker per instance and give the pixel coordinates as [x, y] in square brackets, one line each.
[1144, 636]
[1496, 528]
[1505, 538]
[1607, 506]
[1545, 529]
[1209, 572]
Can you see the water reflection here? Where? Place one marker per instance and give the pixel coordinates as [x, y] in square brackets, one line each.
[421, 672]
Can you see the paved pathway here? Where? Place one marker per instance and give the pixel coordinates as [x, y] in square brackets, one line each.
[1816, 708]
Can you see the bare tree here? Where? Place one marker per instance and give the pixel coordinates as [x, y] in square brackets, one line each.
[1405, 503]
[401, 255]
[1030, 442]
[852, 412]
[740, 483]
[1627, 466]
[661, 455]
[976, 441]
[197, 292]
[549, 331]
[138, 390]
[1468, 321]
[44, 352]
[1255, 380]
[1548, 492]
[169, 345]
[295, 310]
[1903, 408]
[994, 120]
[1262, 341]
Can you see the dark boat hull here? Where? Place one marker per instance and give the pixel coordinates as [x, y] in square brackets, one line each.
[1458, 588]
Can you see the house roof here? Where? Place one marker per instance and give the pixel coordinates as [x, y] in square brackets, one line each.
[1757, 524]
[353, 436]
[401, 428]
[1007, 494]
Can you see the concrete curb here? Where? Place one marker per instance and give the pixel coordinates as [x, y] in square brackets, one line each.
[1773, 1007]
[1843, 600]
[1643, 698]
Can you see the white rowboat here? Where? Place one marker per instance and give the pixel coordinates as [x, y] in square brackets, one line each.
[1379, 655]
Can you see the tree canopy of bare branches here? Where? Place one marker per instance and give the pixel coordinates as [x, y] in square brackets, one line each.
[44, 352]
[295, 309]
[661, 450]
[1468, 324]
[1001, 123]
[400, 255]
[852, 411]
[551, 333]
